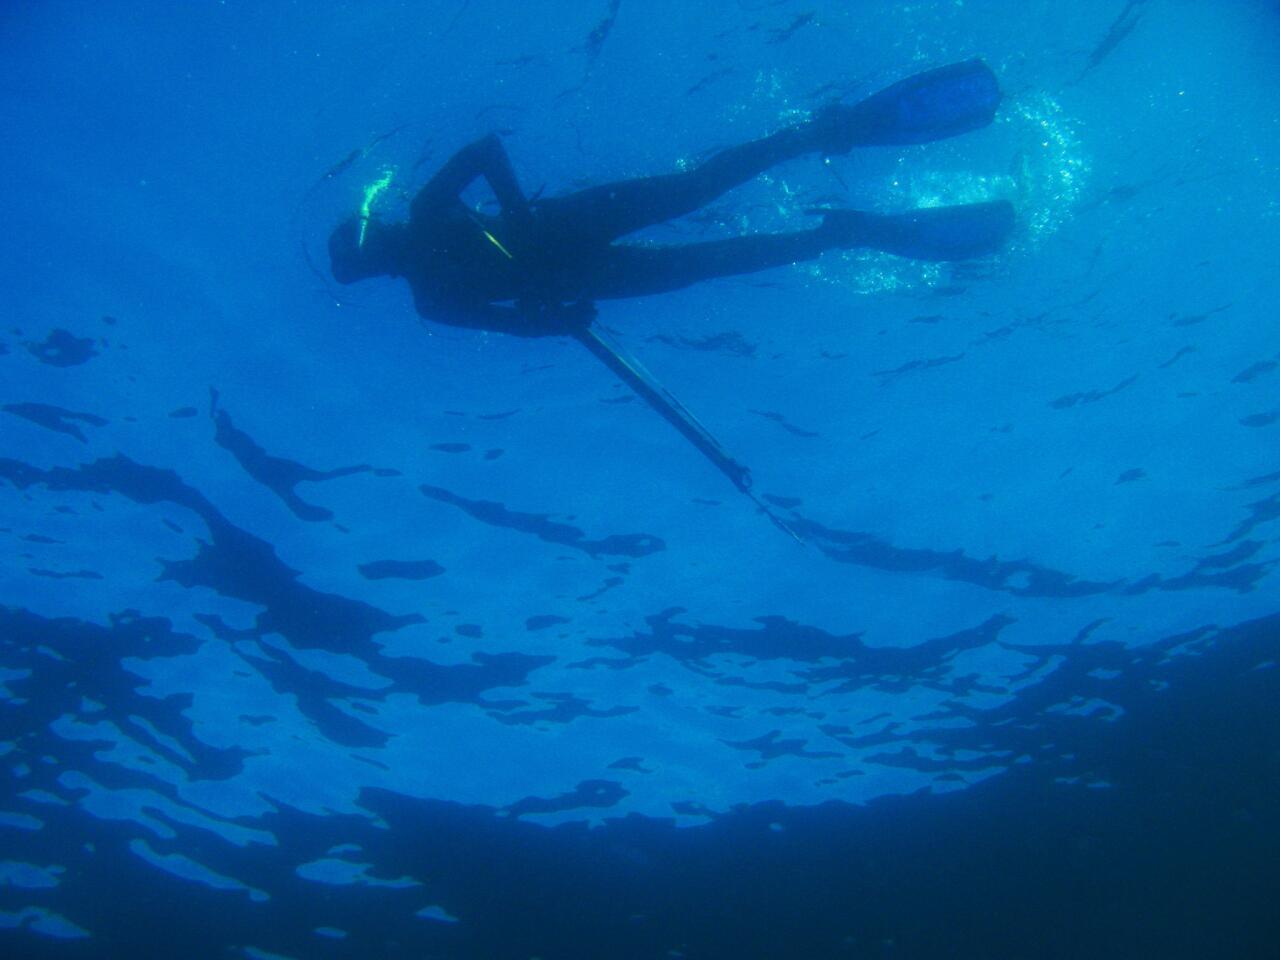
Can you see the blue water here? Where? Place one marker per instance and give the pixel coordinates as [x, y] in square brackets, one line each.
[327, 633]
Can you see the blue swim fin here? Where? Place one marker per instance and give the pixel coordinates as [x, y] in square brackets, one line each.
[928, 106]
[931, 233]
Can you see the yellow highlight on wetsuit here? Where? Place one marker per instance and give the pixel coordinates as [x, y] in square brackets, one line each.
[497, 243]
[490, 237]
[371, 194]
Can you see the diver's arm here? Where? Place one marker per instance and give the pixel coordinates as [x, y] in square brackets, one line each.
[486, 158]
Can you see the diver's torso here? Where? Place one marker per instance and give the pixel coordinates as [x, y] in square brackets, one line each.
[462, 257]
[459, 258]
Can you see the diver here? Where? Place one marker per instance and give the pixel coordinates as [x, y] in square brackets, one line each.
[537, 267]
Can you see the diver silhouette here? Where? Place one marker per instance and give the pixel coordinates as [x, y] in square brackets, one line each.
[536, 268]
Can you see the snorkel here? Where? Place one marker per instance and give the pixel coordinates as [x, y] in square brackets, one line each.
[372, 192]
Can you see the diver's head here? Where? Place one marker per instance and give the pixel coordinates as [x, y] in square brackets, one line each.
[352, 258]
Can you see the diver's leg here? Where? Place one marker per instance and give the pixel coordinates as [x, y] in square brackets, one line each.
[604, 213]
[634, 271]
[929, 106]
[936, 234]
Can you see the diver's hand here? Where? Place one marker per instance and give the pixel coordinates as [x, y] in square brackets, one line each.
[576, 316]
[558, 319]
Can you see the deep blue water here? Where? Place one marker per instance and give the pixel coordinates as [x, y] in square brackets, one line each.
[329, 633]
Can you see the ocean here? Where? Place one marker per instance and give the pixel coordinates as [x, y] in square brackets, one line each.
[920, 608]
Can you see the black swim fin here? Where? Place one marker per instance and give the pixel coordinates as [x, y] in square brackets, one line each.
[928, 106]
[930, 233]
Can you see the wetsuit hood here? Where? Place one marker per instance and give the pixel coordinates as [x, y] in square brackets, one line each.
[351, 260]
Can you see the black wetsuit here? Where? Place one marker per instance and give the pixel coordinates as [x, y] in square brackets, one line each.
[537, 267]
[514, 271]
